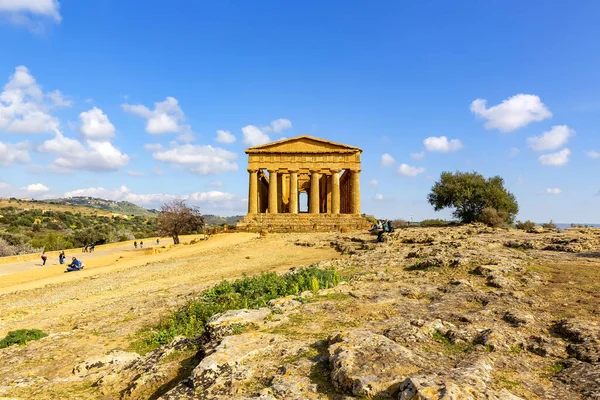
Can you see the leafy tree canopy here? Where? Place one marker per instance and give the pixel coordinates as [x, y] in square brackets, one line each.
[176, 218]
[469, 193]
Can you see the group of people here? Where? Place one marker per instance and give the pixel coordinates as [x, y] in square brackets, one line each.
[135, 244]
[75, 265]
[89, 248]
[382, 227]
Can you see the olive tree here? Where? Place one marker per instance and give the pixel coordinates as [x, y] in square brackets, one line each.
[176, 218]
[474, 198]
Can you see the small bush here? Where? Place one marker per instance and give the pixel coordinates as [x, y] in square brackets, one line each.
[549, 225]
[492, 217]
[248, 292]
[435, 222]
[526, 226]
[22, 336]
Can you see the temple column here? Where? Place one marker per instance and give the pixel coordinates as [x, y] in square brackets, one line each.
[293, 192]
[313, 201]
[335, 192]
[273, 201]
[355, 192]
[253, 192]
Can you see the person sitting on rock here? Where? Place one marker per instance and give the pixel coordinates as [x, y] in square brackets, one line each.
[387, 228]
[75, 265]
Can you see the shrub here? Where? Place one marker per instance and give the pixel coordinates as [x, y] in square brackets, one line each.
[22, 336]
[492, 217]
[247, 292]
[434, 222]
[549, 225]
[526, 226]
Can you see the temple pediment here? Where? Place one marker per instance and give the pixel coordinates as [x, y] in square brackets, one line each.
[303, 144]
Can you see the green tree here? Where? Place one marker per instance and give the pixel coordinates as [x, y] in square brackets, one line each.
[469, 193]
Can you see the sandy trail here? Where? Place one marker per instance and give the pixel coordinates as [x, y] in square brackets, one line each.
[100, 308]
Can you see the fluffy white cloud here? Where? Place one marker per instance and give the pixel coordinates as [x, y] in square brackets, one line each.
[96, 125]
[132, 172]
[202, 160]
[213, 201]
[167, 116]
[36, 188]
[254, 136]
[58, 99]
[442, 144]
[26, 12]
[557, 159]
[14, 153]
[225, 137]
[153, 146]
[73, 155]
[553, 191]
[374, 182]
[24, 107]
[593, 154]
[513, 113]
[553, 139]
[407, 170]
[387, 160]
[278, 125]
[378, 196]
[417, 156]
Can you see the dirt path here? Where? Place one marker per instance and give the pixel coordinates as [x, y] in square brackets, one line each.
[93, 311]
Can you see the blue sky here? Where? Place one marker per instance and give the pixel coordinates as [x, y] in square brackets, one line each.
[124, 100]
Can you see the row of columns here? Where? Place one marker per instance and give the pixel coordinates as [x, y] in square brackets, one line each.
[313, 202]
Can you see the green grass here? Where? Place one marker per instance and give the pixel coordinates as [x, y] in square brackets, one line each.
[450, 347]
[509, 384]
[22, 336]
[248, 292]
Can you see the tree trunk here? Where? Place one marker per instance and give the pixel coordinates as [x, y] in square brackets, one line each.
[175, 239]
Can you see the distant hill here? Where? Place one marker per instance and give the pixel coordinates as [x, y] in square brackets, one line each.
[118, 207]
[215, 220]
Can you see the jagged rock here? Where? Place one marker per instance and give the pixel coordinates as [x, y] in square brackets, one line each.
[229, 322]
[517, 317]
[366, 364]
[115, 360]
[433, 388]
[501, 282]
[544, 346]
[492, 338]
[585, 337]
[582, 377]
[283, 304]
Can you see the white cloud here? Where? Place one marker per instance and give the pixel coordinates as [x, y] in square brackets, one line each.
[514, 152]
[378, 196]
[442, 144]
[153, 146]
[225, 137]
[278, 125]
[58, 99]
[96, 125]
[202, 160]
[417, 156]
[167, 116]
[23, 108]
[374, 182]
[36, 188]
[513, 113]
[387, 160]
[557, 159]
[73, 155]
[593, 154]
[30, 13]
[186, 137]
[553, 139]
[553, 191]
[213, 201]
[14, 153]
[215, 184]
[132, 172]
[254, 136]
[407, 170]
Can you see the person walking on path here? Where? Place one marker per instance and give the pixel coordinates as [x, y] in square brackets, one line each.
[85, 248]
[141, 245]
[44, 258]
[61, 257]
[92, 247]
[157, 241]
[135, 244]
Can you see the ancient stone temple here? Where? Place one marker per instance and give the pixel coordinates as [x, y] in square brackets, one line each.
[303, 184]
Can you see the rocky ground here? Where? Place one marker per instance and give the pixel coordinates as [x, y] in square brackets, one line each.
[438, 313]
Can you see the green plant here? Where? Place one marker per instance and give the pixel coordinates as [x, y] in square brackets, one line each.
[526, 225]
[247, 292]
[21, 336]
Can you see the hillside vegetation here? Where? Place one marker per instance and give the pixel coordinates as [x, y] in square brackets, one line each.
[117, 207]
